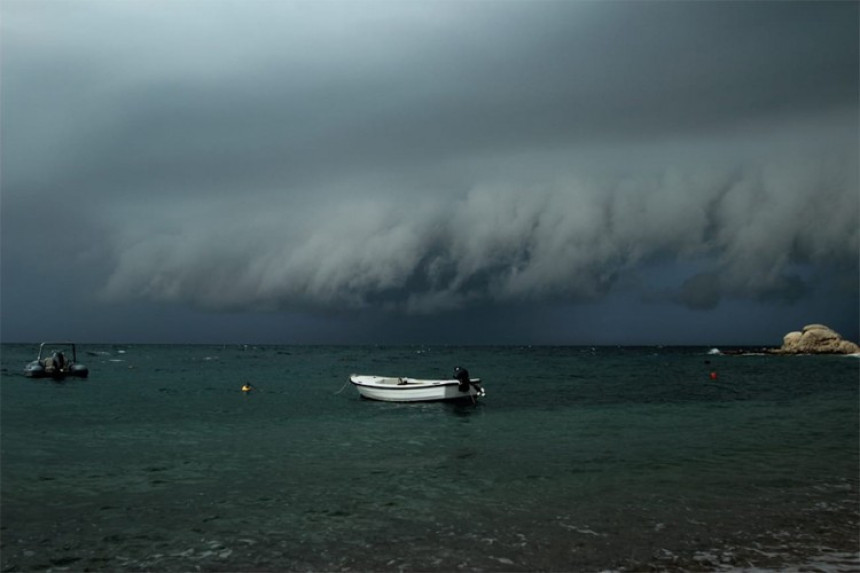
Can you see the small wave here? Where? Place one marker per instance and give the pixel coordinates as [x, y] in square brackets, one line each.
[828, 561]
[714, 351]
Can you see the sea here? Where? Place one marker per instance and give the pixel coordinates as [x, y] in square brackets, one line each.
[577, 459]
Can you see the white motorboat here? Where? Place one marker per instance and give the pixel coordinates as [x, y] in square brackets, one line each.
[399, 389]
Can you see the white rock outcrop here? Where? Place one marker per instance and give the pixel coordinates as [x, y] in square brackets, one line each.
[816, 339]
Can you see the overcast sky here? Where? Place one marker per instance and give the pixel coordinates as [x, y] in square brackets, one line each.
[432, 172]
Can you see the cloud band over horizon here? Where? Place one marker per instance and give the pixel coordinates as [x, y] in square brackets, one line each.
[422, 158]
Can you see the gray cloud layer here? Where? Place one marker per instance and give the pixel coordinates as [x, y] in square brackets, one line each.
[427, 156]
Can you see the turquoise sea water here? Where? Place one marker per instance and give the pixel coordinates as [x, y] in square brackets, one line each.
[578, 459]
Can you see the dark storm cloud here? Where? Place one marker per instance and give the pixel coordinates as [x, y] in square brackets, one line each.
[433, 156]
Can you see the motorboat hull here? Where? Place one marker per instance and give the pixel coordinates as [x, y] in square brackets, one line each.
[37, 369]
[391, 389]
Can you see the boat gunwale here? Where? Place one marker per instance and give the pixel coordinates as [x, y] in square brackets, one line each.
[407, 383]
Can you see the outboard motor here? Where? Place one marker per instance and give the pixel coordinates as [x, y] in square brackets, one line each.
[462, 375]
[59, 361]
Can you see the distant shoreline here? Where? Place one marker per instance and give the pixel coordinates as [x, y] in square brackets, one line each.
[742, 351]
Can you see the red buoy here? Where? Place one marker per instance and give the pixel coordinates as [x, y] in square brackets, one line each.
[713, 375]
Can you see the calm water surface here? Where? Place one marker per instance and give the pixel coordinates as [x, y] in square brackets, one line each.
[577, 459]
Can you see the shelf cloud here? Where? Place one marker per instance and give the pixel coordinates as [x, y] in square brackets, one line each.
[426, 157]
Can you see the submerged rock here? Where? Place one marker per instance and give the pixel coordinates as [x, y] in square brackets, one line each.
[816, 339]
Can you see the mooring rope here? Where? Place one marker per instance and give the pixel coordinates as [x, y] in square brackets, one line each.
[344, 386]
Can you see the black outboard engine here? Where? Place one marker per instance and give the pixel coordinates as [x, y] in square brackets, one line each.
[462, 375]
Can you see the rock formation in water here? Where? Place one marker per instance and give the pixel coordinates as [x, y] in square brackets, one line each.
[816, 339]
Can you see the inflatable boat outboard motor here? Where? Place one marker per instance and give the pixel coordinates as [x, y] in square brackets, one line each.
[462, 375]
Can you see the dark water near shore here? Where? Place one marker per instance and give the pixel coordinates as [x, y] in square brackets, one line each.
[577, 459]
